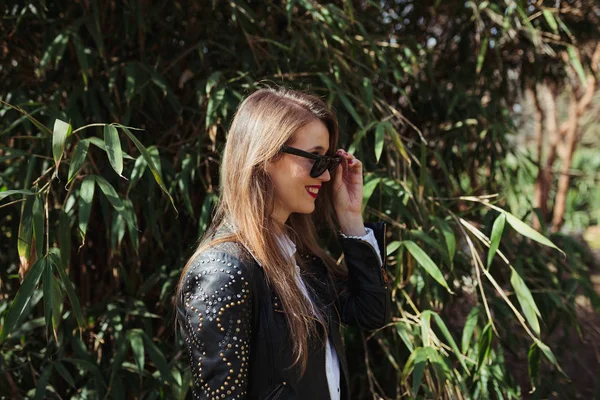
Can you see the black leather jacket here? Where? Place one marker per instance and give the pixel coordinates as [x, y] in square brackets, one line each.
[235, 330]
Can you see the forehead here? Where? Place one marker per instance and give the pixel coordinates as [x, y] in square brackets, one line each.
[313, 134]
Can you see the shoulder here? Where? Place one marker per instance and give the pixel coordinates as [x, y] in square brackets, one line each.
[223, 267]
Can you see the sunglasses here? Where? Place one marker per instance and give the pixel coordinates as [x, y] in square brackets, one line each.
[321, 164]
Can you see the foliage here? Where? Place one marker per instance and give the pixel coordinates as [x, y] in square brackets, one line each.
[102, 217]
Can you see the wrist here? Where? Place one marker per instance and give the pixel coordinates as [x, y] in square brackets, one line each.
[352, 225]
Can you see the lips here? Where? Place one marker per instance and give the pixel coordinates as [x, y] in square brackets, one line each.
[313, 190]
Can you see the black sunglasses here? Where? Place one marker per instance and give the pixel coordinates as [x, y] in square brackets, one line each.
[321, 164]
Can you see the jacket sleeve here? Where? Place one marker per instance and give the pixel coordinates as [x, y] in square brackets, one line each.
[215, 314]
[364, 300]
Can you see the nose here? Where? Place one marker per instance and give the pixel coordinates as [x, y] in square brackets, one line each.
[325, 176]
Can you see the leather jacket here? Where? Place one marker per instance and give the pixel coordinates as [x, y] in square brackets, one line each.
[235, 331]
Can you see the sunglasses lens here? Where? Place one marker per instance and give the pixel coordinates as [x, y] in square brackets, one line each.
[319, 168]
[322, 164]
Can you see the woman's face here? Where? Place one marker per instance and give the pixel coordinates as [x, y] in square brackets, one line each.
[295, 190]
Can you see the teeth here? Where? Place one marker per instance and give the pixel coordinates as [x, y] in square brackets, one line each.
[313, 190]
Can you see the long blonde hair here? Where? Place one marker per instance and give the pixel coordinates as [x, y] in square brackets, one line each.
[264, 121]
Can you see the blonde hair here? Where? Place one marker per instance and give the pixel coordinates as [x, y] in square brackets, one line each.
[264, 121]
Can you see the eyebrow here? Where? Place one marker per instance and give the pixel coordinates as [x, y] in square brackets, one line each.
[317, 148]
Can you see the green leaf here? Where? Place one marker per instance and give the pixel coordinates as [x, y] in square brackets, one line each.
[574, 56]
[533, 364]
[22, 297]
[530, 310]
[65, 374]
[397, 142]
[137, 345]
[549, 355]
[114, 199]
[86, 196]
[497, 230]
[59, 135]
[469, 328]
[529, 232]
[481, 55]
[426, 262]
[392, 246]
[442, 326]
[349, 107]
[26, 231]
[369, 188]
[484, 346]
[78, 159]
[7, 193]
[158, 358]
[92, 368]
[74, 300]
[47, 291]
[416, 362]
[448, 237]
[57, 301]
[550, 20]
[37, 212]
[40, 389]
[113, 148]
[379, 140]
[64, 237]
[150, 163]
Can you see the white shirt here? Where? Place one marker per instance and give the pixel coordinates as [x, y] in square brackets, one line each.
[332, 366]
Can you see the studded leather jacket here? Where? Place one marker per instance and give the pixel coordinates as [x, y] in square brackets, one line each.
[234, 326]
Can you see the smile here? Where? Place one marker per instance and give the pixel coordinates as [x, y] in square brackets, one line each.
[313, 190]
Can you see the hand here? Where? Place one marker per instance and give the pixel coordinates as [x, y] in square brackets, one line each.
[348, 194]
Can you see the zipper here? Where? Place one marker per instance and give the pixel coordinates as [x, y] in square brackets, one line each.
[275, 393]
[383, 256]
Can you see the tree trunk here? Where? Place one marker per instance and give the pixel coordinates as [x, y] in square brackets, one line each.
[576, 110]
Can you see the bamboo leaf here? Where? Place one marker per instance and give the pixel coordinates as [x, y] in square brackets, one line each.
[113, 148]
[158, 358]
[137, 345]
[379, 139]
[64, 237]
[397, 142]
[40, 389]
[349, 107]
[369, 188]
[150, 163]
[533, 364]
[57, 301]
[59, 135]
[576, 62]
[65, 374]
[37, 213]
[481, 56]
[484, 346]
[550, 20]
[78, 159]
[469, 328]
[497, 230]
[426, 262]
[529, 232]
[26, 232]
[549, 355]
[7, 193]
[47, 293]
[86, 196]
[530, 310]
[73, 299]
[22, 297]
[114, 199]
[442, 326]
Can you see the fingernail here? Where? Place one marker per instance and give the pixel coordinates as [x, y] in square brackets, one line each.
[350, 162]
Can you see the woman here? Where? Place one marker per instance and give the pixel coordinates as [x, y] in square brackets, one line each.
[260, 303]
